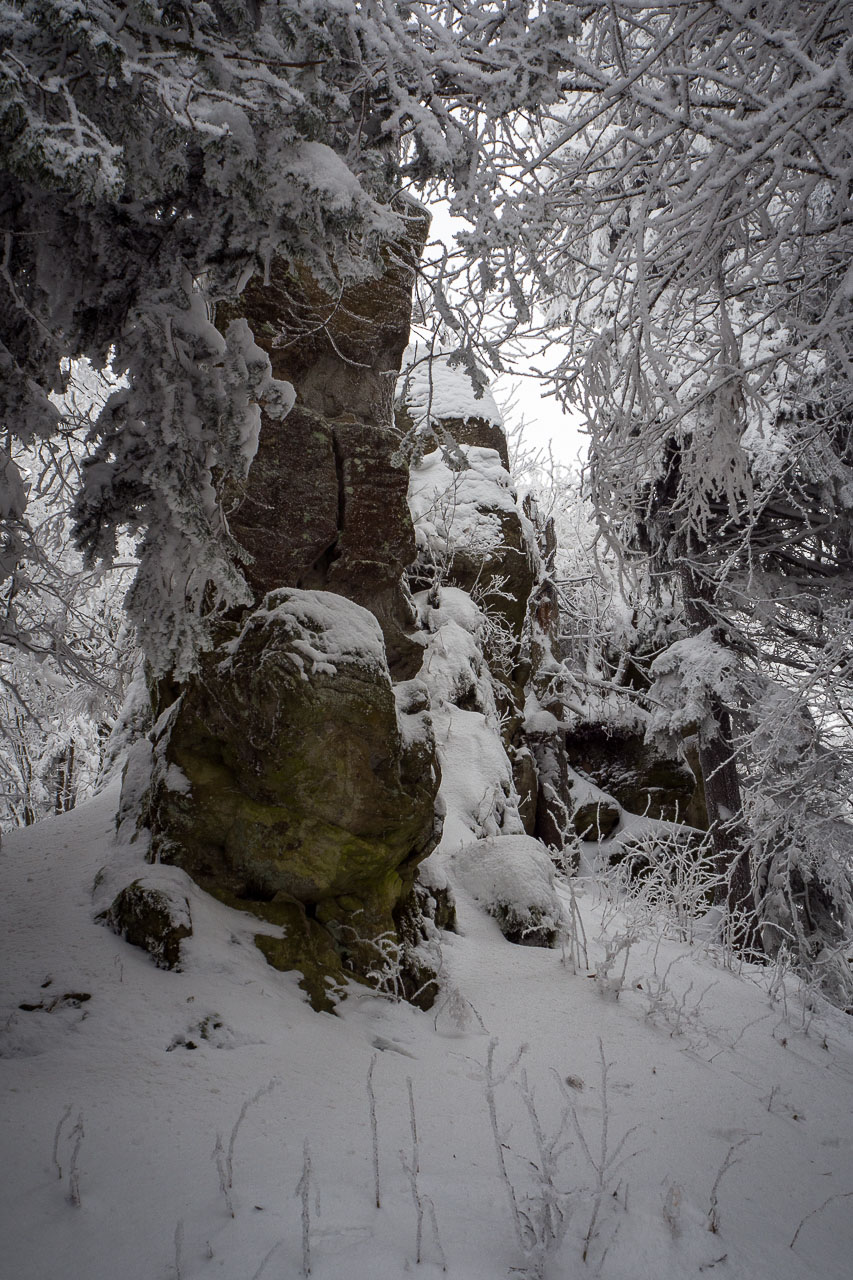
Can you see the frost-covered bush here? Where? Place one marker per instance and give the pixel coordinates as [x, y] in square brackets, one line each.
[67, 652]
[797, 798]
[666, 877]
[688, 679]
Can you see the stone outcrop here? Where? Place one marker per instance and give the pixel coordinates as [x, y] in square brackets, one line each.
[287, 779]
[439, 403]
[324, 505]
[642, 779]
[285, 767]
[296, 775]
[473, 533]
[544, 730]
[287, 776]
[552, 814]
[153, 918]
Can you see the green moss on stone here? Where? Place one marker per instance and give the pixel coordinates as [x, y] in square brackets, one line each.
[298, 790]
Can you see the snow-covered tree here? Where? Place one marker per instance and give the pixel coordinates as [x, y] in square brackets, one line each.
[697, 188]
[66, 651]
[157, 156]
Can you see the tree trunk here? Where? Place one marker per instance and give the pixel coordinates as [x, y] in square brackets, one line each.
[64, 793]
[723, 799]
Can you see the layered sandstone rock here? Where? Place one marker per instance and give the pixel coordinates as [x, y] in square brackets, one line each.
[325, 504]
[287, 779]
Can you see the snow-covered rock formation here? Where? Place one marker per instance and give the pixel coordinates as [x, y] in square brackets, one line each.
[395, 672]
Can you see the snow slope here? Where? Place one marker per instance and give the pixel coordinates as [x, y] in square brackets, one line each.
[738, 1107]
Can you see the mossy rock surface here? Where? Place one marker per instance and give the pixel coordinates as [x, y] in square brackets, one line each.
[341, 942]
[596, 820]
[283, 777]
[307, 947]
[285, 767]
[151, 918]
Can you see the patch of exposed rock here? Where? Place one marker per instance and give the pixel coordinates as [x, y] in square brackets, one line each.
[152, 917]
[287, 776]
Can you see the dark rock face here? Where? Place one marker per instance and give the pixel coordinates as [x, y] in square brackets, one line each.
[287, 518]
[283, 779]
[324, 506]
[596, 820]
[148, 917]
[377, 540]
[341, 350]
[634, 774]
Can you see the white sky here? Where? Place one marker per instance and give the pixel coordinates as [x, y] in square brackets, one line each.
[546, 424]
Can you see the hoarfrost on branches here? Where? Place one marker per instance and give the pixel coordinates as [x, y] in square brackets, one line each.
[156, 158]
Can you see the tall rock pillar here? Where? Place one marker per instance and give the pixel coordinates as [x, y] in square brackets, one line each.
[291, 777]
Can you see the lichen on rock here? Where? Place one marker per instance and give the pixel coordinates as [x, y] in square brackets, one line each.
[298, 786]
[152, 917]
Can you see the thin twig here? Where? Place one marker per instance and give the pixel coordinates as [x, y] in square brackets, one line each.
[374, 1129]
[843, 1195]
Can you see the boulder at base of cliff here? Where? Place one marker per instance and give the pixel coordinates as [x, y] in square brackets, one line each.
[152, 916]
[638, 776]
[286, 774]
[512, 879]
[596, 820]
[595, 814]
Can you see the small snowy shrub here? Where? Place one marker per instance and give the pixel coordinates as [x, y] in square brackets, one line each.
[666, 877]
[512, 878]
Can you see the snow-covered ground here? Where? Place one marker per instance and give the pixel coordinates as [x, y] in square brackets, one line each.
[626, 1105]
[694, 1125]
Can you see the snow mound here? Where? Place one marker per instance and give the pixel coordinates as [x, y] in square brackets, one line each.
[723, 1091]
[436, 390]
[325, 630]
[460, 510]
[512, 878]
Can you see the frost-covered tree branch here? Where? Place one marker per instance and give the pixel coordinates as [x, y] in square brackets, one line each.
[155, 158]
